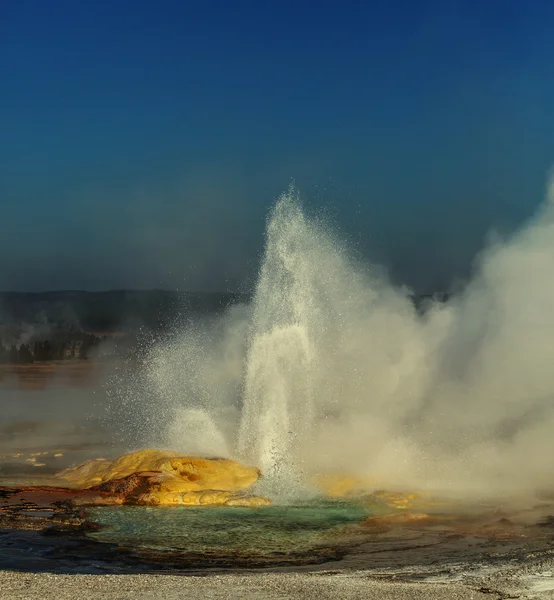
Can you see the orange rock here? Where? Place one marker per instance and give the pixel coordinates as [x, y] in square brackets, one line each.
[144, 489]
[155, 478]
[343, 485]
[395, 519]
[401, 500]
[179, 473]
[45, 496]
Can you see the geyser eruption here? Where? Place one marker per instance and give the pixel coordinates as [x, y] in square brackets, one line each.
[278, 394]
[331, 369]
[305, 370]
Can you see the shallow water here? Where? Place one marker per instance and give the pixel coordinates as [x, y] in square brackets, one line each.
[262, 531]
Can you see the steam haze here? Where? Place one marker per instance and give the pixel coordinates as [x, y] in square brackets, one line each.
[333, 370]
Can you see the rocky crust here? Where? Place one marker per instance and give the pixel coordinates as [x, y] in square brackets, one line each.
[160, 478]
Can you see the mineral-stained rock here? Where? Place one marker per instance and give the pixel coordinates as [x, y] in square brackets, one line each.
[395, 519]
[37, 507]
[41, 496]
[205, 498]
[86, 474]
[178, 473]
[401, 500]
[159, 478]
[247, 501]
[343, 485]
[162, 489]
[97, 500]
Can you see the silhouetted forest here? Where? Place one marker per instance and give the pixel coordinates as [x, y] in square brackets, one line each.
[104, 312]
[66, 325]
[59, 347]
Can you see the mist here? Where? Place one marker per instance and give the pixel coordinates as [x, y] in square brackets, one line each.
[333, 370]
[52, 419]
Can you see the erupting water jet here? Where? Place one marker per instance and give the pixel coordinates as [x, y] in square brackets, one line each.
[331, 369]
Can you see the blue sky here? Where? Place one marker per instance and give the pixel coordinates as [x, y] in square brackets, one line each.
[142, 142]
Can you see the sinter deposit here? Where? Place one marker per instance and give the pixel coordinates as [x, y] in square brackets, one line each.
[155, 477]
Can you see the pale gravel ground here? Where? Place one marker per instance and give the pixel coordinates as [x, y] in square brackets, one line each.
[44, 586]
[527, 578]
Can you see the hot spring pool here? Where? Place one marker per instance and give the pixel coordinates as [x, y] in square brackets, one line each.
[224, 530]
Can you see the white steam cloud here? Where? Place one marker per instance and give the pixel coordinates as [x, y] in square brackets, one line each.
[332, 369]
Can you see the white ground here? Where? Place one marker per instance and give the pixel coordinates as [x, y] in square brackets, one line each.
[523, 583]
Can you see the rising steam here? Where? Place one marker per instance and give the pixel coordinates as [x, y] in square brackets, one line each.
[333, 370]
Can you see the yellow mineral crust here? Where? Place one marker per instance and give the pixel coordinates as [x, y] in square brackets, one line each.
[404, 518]
[161, 478]
[206, 498]
[401, 500]
[337, 485]
[178, 473]
[343, 485]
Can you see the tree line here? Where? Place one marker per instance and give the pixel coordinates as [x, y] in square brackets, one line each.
[48, 350]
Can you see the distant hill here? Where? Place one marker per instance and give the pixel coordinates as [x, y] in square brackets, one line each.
[110, 311]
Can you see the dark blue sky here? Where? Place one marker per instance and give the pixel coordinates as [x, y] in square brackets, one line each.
[141, 143]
